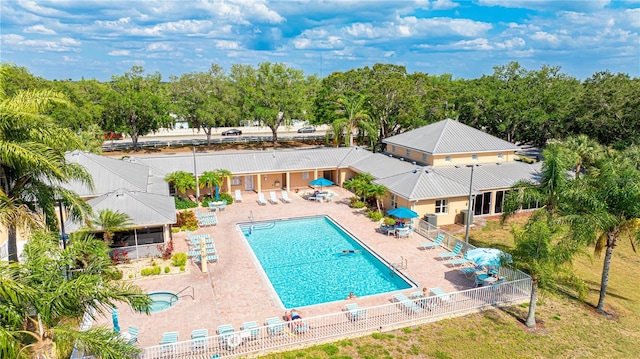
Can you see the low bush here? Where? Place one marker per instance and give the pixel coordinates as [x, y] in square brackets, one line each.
[117, 275]
[179, 259]
[187, 221]
[389, 221]
[358, 204]
[167, 270]
[375, 216]
[182, 203]
[222, 197]
[182, 268]
[145, 272]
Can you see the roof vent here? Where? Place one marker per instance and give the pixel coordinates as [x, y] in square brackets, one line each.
[390, 155]
[498, 163]
[413, 163]
[426, 171]
[415, 170]
[401, 159]
[457, 166]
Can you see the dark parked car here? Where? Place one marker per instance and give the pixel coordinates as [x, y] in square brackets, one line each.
[307, 129]
[112, 136]
[231, 132]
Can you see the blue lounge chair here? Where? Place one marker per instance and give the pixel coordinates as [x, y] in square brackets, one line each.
[434, 244]
[199, 339]
[407, 304]
[168, 342]
[468, 272]
[285, 197]
[133, 334]
[238, 196]
[460, 261]
[355, 312]
[261, 200]
[454, 253]
[275, 326]
[272, 197]
[252, 328]
[225, 331]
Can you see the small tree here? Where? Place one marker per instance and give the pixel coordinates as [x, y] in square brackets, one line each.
[182, 181]
[110, 222]
[213, 179]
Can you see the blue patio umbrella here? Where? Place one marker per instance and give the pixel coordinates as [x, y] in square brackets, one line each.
[321, 182]
[402, 212]
[488, 257]
[114, 317]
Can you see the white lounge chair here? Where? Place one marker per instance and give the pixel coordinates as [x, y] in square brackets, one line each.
[261, 200]
[238, 197]
[285, 197]
[272, 197]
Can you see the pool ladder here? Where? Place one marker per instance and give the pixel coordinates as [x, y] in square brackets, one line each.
[402, 264]
[183, 289]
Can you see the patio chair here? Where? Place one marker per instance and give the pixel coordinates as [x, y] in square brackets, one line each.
[199, 339]
[225, 331]
[168, 342]
[133, 333]
[285, 197]
[238, 196]
[407, 304]
[456, 262]
[252, 328]
[403, 232]
[223, 205]
[330, 197]
[261, 200]
[454, 253]
[272, 197]
[275, 326]
[355, 312]
[434, 244]
[440, 294]
[468, 272]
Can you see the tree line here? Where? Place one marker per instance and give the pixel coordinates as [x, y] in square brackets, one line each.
[364, 105]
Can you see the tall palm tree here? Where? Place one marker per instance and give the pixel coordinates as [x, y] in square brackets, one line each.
[40, 300]
[32, 163]
[585, 149]
[214, 179]
[109, 222]
[604, 206]
[352, 115]
[376, 191]
[182, 181]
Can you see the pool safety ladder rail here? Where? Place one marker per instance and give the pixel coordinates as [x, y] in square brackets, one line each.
[192, 295]
[402, 264]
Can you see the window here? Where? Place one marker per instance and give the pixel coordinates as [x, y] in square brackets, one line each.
[447, 158]
[172, 189]
[393, 149]
[442, 206]
[474, 157]
[236, 181]
[305, 175]
[424, 157]
[409, 153]
[394, 202]
[500, 155]
[500, 195]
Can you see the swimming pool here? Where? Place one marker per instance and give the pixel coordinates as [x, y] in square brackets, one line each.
[305, 261]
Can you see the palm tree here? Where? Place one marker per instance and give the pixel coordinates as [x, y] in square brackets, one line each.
[585, 149]
[604, 206]
[182, 181]
[32, 163]
[352, 115]
[213, 179]
[110, 222]
[41, 301]
[359, 184]
[541, 252]
[376, 191]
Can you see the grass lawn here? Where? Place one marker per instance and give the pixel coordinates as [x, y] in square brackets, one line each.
[567, 327]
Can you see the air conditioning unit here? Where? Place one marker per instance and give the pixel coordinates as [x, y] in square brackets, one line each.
[431, 218]
[467, 217]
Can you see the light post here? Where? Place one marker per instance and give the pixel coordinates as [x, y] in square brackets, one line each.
[468, 219]
[195, 173]
[63, 235]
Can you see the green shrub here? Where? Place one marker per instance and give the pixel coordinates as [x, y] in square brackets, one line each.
[389, 221]
[156, 270]
[353, 200]
[179, 259]
[181, 268]
[358, 204]
[184, 203]
[375, 216]
[117, 275]
[130, 276]
[223, 197]
[167, 270]
[175, 230]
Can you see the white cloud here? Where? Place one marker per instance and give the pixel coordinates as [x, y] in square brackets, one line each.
[390, 54]
[227, 45]
[33, 7]
[479, 44]
[159, 46]
[548, 5]
[39, 29]
[18, 42]
[119, 53]
[444, 5]
[546, 37]
[243, 12]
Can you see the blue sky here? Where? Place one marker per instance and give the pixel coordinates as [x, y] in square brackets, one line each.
[68, 39]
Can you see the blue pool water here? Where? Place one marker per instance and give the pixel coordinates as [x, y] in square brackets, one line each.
[304, 260]
[161, 301]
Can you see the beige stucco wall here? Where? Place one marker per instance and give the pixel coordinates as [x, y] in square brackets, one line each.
[465, 158]
[413, 155]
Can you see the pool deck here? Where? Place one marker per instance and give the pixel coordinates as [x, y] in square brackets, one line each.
[235, 289]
